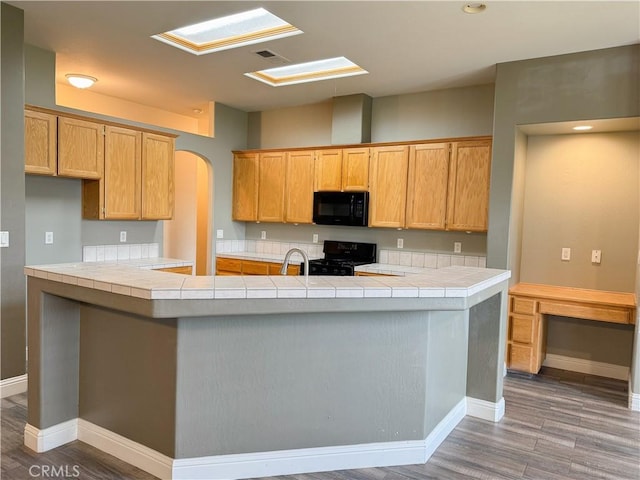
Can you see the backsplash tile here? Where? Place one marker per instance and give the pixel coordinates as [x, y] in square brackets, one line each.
[429, 260]
[266, 246]
[112, 253]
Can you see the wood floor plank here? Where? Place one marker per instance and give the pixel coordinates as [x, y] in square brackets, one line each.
[558, 426]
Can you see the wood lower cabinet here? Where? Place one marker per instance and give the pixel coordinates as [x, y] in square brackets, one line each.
[298, 206]
[186, 270]
[236, 266]
[41, 143]
[427, 181]
[388, 186]
[245, 187]
[526, 342]
[468, 196]
[80, 148]
[157, 176]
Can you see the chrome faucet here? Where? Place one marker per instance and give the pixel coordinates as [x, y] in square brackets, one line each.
[305, 257]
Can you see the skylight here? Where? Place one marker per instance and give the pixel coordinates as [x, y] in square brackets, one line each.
[245, 28]
[308, 72]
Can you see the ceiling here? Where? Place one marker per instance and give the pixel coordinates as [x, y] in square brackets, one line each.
[407, 47]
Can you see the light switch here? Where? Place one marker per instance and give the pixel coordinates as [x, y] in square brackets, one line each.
[48, 238]
[4, 239]
[566, 254]
[596, 256]
[263, 235]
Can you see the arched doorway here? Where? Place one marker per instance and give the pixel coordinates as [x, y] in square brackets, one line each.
[188, 235]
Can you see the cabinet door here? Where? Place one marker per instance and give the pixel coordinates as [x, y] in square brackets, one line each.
[328, 174]
[157, 176]
[40, 143]
[427, 186]
[355, 169]
[272, 170]
[245, 187]
[388, 186]
[299, 187]
[468, 202]
[80, 148]
[122, 167]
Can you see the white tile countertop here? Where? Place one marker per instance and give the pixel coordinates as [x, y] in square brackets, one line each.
[137, 279]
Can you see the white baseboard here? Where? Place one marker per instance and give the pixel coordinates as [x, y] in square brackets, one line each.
[127, 450]
[485, 410]
[322, 459]
[43, 440]
[634, 401]
[13, 386]
[284, 462]
[587, 366]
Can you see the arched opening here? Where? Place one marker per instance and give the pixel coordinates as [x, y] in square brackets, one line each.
[188, 235]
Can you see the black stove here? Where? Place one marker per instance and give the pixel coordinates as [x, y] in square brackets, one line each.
[341, 258]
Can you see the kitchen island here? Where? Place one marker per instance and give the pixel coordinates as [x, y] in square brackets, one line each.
[235, 377]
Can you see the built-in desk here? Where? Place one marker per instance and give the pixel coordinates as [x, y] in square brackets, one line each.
[530, 302]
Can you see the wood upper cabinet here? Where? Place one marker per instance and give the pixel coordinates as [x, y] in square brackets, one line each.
[342, 170]
[427, 186]
[298, 206]
[388, 186]
[80, 148]
[468, 196]
[355, 169]
[271, 183]
[245, 187]
[328, 170]
[40, 143]
[122, 163]
[157, 176]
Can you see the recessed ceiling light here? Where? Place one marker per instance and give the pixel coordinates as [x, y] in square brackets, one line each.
[474, 8]
[245, 28]
[581, 128]
[308, 72]
[80, 81]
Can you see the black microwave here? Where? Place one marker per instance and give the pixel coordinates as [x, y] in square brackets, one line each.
[341, 208]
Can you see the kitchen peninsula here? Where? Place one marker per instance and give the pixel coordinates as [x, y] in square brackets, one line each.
[237, 377]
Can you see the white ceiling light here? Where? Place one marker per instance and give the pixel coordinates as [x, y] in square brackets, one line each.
[308, 72]
[80, 81]
[245, 28]
[582, 128]
[474, 8]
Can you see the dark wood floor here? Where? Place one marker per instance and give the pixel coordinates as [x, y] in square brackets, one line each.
[558, 425]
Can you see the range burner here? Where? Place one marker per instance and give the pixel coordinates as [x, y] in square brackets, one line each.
[341, 258]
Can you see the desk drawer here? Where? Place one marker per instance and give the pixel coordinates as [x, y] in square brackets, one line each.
[520, 357]
[522, 329]
[523, 305]
[587, 312]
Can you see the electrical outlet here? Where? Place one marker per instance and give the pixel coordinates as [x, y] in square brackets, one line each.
[48, 238]
[263, 235]
[566, 254]
[123, 237]
[315, 238]
[400, 243]
[219, 233]
[457, 247]
[596, 256]
[4, 239]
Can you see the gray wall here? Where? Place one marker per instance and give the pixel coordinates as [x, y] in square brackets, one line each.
[12, 292]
